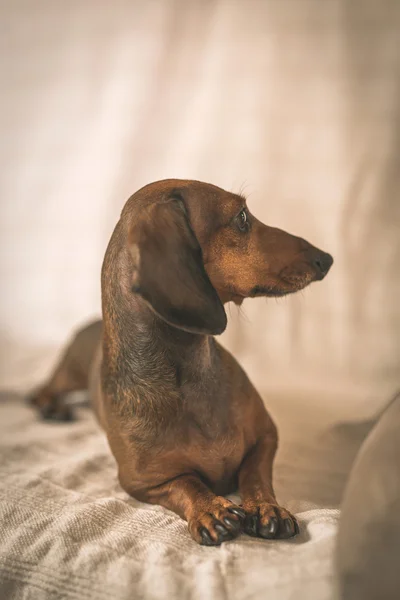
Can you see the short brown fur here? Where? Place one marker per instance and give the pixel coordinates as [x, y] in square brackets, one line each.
[183, 421]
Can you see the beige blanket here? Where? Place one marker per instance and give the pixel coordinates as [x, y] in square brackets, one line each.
[67, 530]
[295, 102]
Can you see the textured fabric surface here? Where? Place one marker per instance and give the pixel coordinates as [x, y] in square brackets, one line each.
[69, 531]
[296, 102]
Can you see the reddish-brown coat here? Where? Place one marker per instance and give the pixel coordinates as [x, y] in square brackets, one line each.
[183, 421]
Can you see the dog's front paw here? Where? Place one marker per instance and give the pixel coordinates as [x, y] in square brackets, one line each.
[269, 521]
[217, 523]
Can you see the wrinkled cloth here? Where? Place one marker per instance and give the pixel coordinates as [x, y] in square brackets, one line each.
[67, 529]
[294, 103]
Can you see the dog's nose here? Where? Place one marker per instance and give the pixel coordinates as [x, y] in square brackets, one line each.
[322, 262]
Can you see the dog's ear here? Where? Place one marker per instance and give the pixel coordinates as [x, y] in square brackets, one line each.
[169, 271]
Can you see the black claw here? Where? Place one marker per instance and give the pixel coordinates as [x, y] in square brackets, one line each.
[287, 525]
[231, 523]
[273, 526]
[288, 529]
[251, 525]
[238, 511]
[270, 530]
[223, 532]
[206, 537]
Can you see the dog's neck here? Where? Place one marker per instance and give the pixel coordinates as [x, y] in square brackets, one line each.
[150, 369]
[149, 362]
[137, 340]
[145, 336]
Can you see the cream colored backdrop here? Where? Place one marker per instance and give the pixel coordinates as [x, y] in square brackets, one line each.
[295, 102]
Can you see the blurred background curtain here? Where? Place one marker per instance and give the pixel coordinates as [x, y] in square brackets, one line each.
[296, 103]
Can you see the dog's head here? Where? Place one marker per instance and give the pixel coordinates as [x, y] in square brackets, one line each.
[194, 246]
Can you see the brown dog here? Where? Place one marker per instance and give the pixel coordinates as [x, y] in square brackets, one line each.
[182, 419]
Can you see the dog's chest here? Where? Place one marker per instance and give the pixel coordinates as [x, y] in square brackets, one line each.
[213, 439]
[218, 460]
[203, 432]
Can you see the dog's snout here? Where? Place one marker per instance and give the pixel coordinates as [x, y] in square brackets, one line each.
[322, 262]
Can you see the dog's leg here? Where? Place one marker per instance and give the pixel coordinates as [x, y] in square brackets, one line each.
[264, 517]
[211, 519]
[70, 375]
[50, 399]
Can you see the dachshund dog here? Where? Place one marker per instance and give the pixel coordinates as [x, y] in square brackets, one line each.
[183, 421]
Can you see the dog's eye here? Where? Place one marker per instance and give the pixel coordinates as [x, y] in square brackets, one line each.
[242, 220]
